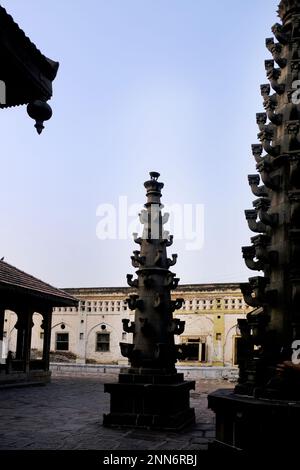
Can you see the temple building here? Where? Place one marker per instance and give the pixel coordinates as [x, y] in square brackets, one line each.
[93, 330]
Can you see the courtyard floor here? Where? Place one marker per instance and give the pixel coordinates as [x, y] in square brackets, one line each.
[67, 414]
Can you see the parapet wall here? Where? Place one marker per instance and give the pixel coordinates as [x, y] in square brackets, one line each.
[194, 373]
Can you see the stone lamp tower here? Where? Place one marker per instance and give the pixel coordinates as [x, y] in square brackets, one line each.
[265, 408]
[150, 393]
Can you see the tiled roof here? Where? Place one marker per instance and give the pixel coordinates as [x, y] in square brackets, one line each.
[11, 277]
[10, 27]
[21, 58]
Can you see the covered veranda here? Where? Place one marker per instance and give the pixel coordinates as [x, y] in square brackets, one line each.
[26, 295]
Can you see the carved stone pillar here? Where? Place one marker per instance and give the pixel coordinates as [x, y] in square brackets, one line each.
[263, 411]
[150, 393]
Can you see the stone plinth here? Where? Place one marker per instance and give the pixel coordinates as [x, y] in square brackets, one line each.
[150, 400]
[253, 425]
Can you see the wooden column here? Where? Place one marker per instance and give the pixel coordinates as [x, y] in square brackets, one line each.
[46, 325]
[27, 340]
[24, 327]
[2, 314]
[20, 327]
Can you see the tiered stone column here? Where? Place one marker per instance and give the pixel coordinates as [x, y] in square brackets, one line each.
[151, 393]
[264, 411]
[270, 330]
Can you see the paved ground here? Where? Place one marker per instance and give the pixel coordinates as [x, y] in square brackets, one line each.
[67, 414]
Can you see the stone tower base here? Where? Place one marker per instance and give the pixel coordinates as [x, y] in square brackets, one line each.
[150, 400]
[250, 424]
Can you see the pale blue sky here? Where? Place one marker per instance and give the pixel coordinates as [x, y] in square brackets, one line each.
[165, 85]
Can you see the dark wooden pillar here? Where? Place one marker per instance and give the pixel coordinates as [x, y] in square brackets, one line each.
[27, 340]
[20, 327]
[24, 326]
[46, 325]
[2, 314]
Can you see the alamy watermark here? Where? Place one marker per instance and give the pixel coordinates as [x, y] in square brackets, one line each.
[183, 221]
